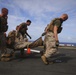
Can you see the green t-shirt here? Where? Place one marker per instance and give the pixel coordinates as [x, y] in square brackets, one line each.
[3, 24]
[57, 23]
[23, 28]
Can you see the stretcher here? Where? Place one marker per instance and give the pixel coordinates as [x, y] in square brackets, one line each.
[34, 44]
[29, 46]
[33, 50]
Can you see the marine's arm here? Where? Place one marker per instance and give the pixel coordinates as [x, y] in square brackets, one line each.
[55, 33]
[56, 25]
[28, 35]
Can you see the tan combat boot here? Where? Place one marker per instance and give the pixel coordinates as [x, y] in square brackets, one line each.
[5, 55]
[44, 59]
[5, 59]
[2, 55]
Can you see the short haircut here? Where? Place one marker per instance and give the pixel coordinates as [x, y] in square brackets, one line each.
[66, 16]
[29, 21]
[4, 9]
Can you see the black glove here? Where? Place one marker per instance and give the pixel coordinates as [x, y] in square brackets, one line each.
[30, 37]
[43, 34]
[57, 43]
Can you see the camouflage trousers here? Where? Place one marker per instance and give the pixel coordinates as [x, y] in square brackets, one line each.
[21, 45]
[50, 44]
[3, 44]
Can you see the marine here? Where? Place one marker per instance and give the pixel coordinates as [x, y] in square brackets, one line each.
[16, 41]
[51, 40]
[3, 28]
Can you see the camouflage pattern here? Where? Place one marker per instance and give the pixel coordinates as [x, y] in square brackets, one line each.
[50, 44]
[49, 40]
[2, 43]
[23, 29]
[3, 22]
[5, 54]
[21, 45]
[55, 22]
[19, 41]
[2, 37]
[36, 43]
[5, 59]
[15, 36]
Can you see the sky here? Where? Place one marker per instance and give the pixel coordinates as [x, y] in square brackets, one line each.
[41, 12]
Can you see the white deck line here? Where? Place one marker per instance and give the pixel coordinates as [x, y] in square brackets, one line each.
[33, 50]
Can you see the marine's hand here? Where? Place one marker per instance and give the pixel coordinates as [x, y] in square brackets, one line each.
[30, 37]
[57, 43]
[43, 34]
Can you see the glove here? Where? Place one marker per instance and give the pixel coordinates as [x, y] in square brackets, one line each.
[30, 37]
[57, 43]
[43, 34]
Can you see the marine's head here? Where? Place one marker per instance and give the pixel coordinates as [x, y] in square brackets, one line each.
[64, 17]
[4, 11]
[28, 22]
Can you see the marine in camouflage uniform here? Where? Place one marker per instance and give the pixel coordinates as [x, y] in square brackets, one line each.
[51, 37]
[17, 41]
[23, 29]
[3, 29]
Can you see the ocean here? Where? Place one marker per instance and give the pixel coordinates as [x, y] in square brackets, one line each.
[67, 44]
